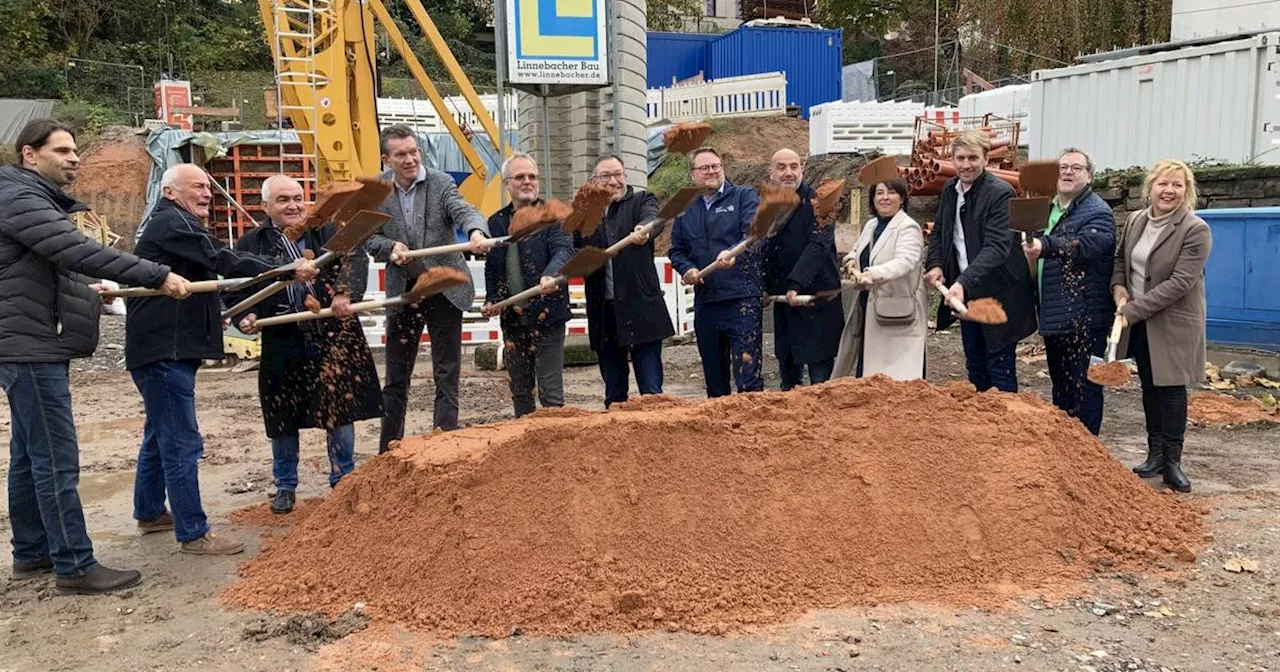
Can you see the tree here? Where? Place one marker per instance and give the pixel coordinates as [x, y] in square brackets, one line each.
[672, 15]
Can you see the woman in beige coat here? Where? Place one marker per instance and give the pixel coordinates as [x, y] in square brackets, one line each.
[885, 331]
[1158, 284]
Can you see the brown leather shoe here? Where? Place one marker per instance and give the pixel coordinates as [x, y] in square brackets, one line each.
[162, 524]
[212, 544]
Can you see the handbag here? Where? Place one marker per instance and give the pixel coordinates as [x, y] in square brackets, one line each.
[897, 311]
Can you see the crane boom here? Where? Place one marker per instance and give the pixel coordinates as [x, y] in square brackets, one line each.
[326, 78]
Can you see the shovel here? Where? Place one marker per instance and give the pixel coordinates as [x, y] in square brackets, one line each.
[670, 210]
[882, 169]
[584, 263]
[776, 206]
[1104, 371]
[431, 282]
[1030, 214]
[824, 295]
[553, 212]
[357, 230]
[201, 287]
[962, 311]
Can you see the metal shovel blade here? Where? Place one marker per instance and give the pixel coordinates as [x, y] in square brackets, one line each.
[585, 262]
[1108, 374]
[1029, 215]
[433, 281]
[882, 169]
[357, 230]
[1038, 178]
[677, 203]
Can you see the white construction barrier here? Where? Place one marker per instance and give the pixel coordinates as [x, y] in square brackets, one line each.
[860, 127]
[479, 329]
[421, 114]
[759, 95]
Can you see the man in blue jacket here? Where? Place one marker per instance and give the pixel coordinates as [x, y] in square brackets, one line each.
[166, 341]
[801, 259]
[533, 331]
[1075, 255]
[726, 304]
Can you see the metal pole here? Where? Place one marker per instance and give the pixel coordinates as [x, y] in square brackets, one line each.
[500, 53]
[546, 141]
[937, 36]
[614, 16]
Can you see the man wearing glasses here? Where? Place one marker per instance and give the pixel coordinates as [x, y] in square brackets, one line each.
[726, 304]
[1074, 255]
[626, 310]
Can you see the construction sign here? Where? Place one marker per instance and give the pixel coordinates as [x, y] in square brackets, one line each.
[557, 42]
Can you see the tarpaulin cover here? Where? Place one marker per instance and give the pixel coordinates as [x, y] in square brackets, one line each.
[16, 113]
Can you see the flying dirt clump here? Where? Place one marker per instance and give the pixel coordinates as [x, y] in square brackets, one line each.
[716, 515]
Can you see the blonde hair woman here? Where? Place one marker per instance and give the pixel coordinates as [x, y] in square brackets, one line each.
[885, 331]
[1158, 285]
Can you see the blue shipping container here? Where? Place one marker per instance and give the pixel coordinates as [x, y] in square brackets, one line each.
[676, 56]
[1244, 306]
[811, 58]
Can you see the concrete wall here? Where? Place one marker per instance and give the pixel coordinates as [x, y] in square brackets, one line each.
[581, 124]
[1223, 187]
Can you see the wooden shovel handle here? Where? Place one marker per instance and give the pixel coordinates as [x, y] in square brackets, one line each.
[526, 294]
[201, 287]
[734, 252]
[958, 307]
[307, 316]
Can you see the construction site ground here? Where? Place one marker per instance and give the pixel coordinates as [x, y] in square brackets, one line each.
[1199, 617]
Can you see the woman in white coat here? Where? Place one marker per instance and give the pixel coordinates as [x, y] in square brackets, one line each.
[885, 331]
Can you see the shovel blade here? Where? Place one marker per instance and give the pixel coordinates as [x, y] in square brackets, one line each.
[1029, 214]
[678, 203]
[587, 261]
[433, 281]
[357, 230]
[1039, 178]
[882, 169]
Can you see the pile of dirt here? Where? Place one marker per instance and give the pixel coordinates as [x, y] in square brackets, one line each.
[711, 516]
[1110, 374]
[113, 179]
[1207, 408]
[260, 515]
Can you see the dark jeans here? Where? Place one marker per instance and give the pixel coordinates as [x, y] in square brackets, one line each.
[342, 457]
[612, 356]
[1165, 407]
[792, 373]
[404, 333]
[1068, 359]
[169, 461]
[535, 357]
[988, 369]
[44, 469]
[729, 335]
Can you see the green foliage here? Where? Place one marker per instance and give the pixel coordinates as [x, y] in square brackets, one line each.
[671, 15]
[670, 177]
[32, 80]
[87, 119]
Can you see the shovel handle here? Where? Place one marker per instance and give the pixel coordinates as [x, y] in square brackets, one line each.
[616, 248]
[440, 250]
[525, 295]
[733, 254]
[1113, 340]
[958, 307]
[201, 287]
[801, 299]
[273, 289]
[307, 316]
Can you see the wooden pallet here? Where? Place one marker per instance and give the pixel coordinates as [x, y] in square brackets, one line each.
[241, 172]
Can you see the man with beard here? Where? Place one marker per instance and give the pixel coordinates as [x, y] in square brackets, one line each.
[626, 309]
[317, 374]
[801, 259]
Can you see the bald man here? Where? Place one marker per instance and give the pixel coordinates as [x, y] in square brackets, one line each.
[317, 374]
[166, 340]
[800, 259]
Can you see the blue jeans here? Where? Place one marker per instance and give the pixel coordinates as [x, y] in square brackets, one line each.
[792, 373]
[44, 469]
[342, 457]
[729, 335]
[645, 357]
[988, 369]
[168, 462]
[1068, 359]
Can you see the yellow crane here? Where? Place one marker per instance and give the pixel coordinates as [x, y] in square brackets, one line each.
[324, 52]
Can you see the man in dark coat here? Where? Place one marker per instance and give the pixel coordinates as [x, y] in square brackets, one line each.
[166, 341]
[317, 374]
[727, 315]
[1075, 255]
[626, 309]
[801, 259]
[49, 316]
[426, 210]
[533, 330]
[972, 249]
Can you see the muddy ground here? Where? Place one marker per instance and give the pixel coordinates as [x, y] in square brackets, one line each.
[1176, 618]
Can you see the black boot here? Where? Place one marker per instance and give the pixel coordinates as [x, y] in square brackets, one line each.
[283, 502]
[1173, 476]
[1155, 458]
[98, 580]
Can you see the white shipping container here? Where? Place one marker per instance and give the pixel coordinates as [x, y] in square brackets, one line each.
[1214, 102]
[1010, 102]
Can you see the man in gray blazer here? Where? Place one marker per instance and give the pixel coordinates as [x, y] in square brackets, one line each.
[425, 210]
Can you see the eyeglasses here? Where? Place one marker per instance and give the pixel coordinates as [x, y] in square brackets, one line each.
[524, 177]
[709, 168]
[1071, 169]
[605, 177]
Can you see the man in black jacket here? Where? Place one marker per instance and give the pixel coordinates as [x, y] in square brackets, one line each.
[165, 343]
[533, 331]
[49, 316]
[315, 374]
[973, 249]
[801, 259]
[626, 310]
